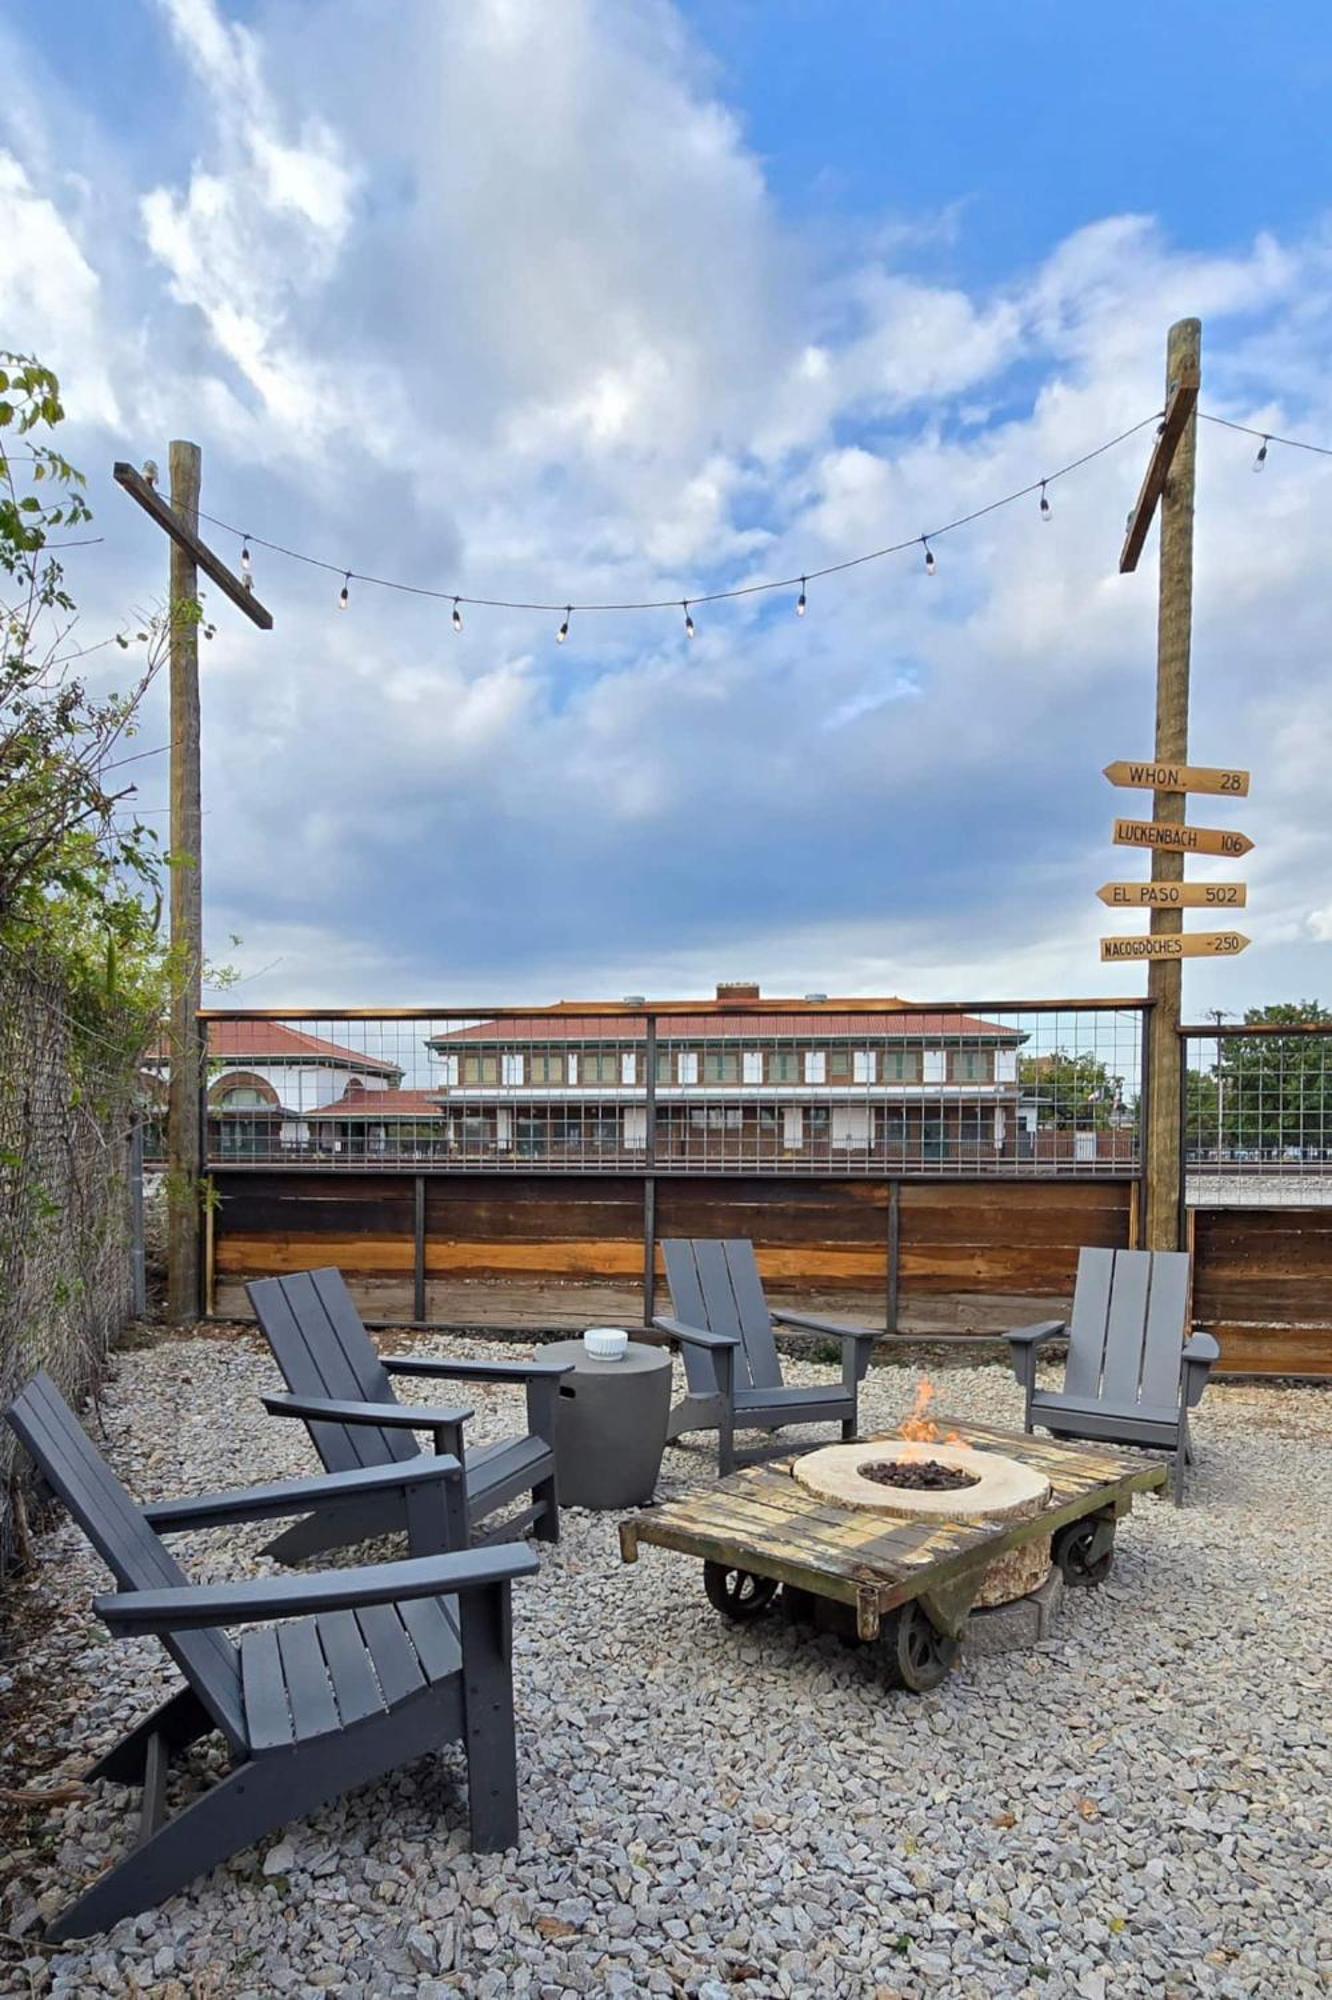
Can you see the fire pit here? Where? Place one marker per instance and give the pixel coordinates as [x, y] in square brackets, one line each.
[984, 1486]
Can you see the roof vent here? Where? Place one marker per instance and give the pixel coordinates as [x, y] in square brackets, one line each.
[635, 999]
[816, 999]
[737, 989]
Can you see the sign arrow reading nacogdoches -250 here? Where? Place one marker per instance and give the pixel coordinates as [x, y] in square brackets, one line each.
[1194, 944]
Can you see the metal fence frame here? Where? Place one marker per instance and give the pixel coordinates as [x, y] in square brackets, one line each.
[1292, 1169]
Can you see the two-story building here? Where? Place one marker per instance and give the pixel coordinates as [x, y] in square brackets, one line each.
[265, 1083]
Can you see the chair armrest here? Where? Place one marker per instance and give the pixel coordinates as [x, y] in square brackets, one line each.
[1202, 1348]
[192, 1607]
[297, 1496]
[696, 1336]
[1032, 1336]
[835, 1329]
[474, 1371]
[391, 1416]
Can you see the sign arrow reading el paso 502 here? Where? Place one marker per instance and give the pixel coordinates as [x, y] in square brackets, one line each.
[1194, 944]
[1158, 777]
[1174, 895]
[1151, 833]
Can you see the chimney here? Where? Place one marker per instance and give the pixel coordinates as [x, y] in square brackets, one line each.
[737, 989]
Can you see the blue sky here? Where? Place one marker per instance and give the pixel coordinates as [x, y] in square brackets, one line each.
[625, 300]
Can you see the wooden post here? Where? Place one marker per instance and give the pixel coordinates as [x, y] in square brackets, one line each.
[1164, 1190]
[184, 1123]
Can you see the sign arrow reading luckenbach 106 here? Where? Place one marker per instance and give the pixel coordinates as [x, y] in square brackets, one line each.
[1155, 777]
[1151, 833]
[1174, 895]
[1194, 944]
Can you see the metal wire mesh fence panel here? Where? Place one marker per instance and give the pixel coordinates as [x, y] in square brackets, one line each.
[66, 1098]
[1012, 1089]
[1258, 1116]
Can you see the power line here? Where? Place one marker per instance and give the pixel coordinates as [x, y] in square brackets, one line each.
[801, 578]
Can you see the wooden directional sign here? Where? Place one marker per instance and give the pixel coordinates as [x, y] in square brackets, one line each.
[1195, 944]
[1180, 839]
[1155, 777]
[1174, 895]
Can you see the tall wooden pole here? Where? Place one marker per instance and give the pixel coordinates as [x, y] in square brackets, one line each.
[184, 1135]
[1174, 627]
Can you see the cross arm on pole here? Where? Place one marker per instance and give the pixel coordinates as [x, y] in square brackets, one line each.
[1179, 408]
[165, 516]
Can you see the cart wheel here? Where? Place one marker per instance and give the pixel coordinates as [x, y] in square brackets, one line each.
[920, 1656]
[1085, 1552]
[737, 1593]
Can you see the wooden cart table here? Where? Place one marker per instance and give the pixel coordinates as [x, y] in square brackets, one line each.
[870, 1577]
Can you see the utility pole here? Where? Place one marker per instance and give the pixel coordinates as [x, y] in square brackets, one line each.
[1169, 481]
[185, 1132]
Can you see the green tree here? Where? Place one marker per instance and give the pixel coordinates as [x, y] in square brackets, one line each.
[1071, 1090]
[1274, 1091]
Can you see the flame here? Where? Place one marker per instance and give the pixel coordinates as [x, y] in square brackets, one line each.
[920, 1426]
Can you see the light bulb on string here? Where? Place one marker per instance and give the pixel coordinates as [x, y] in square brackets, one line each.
[563, 632]
[930, 564]
[457, 617]
[689, 619]
[1261, 460]
[246, 566]
[1046, 508]
[801, 602]
[344, 595]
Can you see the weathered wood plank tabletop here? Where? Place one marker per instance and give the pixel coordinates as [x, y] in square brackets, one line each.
[762, 1520]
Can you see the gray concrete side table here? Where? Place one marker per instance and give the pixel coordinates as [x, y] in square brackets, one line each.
[610, 1424]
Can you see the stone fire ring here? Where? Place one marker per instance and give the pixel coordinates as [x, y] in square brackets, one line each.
[1005, 1489]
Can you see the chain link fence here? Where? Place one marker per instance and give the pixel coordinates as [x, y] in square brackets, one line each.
[67, 1091]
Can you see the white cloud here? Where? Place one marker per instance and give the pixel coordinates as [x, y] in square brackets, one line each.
[496, 299]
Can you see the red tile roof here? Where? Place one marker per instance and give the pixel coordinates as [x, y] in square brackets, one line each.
[380, 1104]
[270, 1041]
[711, 1021]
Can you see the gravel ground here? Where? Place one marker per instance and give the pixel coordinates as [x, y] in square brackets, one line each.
[1137, 1806]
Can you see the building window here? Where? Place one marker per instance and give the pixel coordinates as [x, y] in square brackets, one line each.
[901, 1065]
[934, 1066]
[448, 1071]
[512, 1069]
[722, 1066]
[628, 1069]
[863, 1066]
[969, 1066]
[751, 1066]
[547, 1068]
[571, 1067]
[686, 1066]
[816, 1066]
[481, 1069]
[782, 1066]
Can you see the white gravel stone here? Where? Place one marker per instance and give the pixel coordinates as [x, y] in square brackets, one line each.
[1135, 1806]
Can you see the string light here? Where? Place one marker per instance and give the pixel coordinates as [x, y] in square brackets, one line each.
[1046, 509]
[1261, 459]
[456, 599]
[689, 621]
[246, 566]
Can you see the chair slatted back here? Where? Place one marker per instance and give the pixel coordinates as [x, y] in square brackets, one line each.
[134, 1552]
[1129, 1324]
[321, 1345]
[716, 1285]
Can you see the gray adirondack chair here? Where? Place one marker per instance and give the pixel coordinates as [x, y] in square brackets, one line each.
[341, 1387]
[1132, 1376]
[368, 1669]
[732, 1367]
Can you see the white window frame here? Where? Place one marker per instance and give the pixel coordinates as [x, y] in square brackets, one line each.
[751, 1066]
[571, 1066]
[934, 1066]
[816, 1065]
[511, 1069]
[686, 1066]
[629, 1067]
[449, 1066]
[864, 1066]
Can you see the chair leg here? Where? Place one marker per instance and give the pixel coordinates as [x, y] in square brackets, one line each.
[178, 1722]
[726, 1443]
[547, 1525]
[492, 1759]
[848, 1430]
[1181, 1455]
